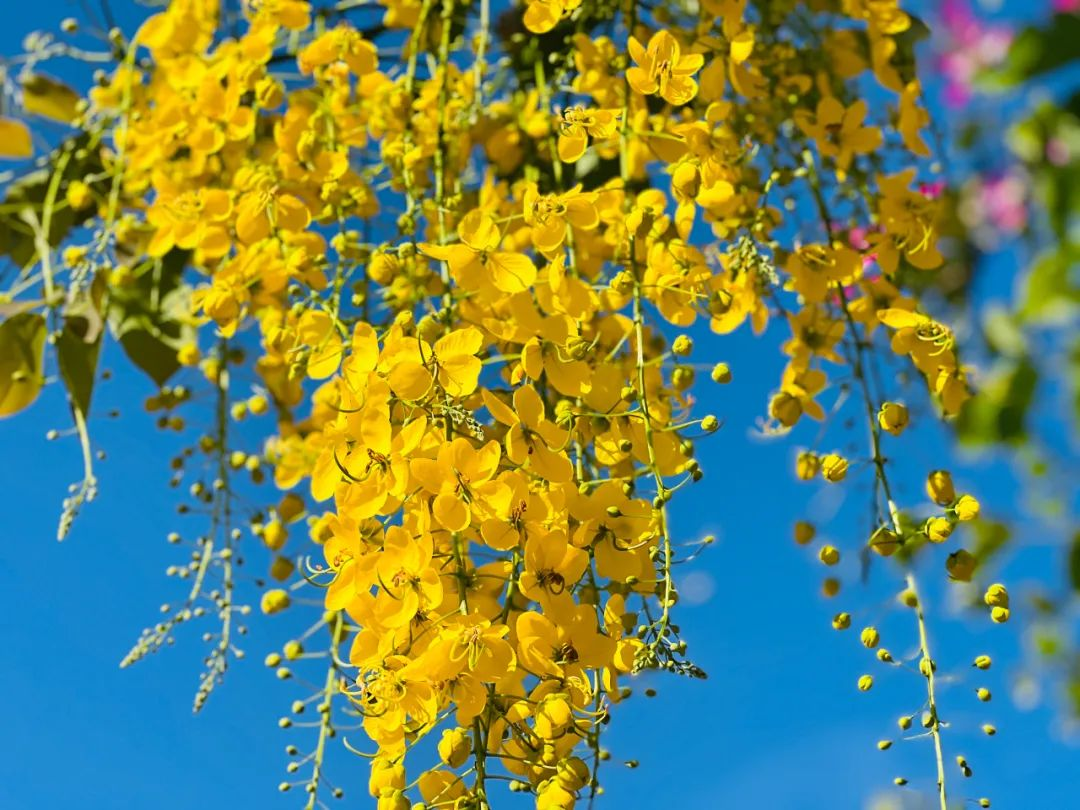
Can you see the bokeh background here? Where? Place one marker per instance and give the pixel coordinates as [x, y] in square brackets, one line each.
[779, 724]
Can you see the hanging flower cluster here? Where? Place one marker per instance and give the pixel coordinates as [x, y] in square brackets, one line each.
[466, 253]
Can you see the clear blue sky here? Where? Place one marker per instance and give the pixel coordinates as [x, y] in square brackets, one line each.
[778, 726]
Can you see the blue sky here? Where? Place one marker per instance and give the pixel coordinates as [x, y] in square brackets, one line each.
[778, 725]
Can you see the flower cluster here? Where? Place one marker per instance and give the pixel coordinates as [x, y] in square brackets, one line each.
[466, 267]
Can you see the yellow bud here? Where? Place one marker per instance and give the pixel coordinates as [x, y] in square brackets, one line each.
[869, 637]
[721, 373]
[937, 529]
[885, 542]
[983, 694]
[282, 568]
[834, 468]
[710, 423]
[884, 656]
[983, 662]
[884, 745]
[908, 598]
[807, 466]
[188, 355]
[785, 408]
[829, 555]
[927, 667]
[455, 747]
[997, 595]
[939, 487]
[293, 650]
[573, 773]
[258, 405]
[1000, 615]
[989, 730]
[984, 803]
[272, 660]
[682, 346]
[830, 587]
[899, 781]
[274, 601]
[904, 722]
[961, 565]
[893, 417]
[841, 621]
[274, 535]
[804, 532]
[866, 682]
[967, 508]
[290, 507]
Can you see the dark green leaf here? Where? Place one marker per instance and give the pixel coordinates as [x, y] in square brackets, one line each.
[1037, 51]
[1074, 563]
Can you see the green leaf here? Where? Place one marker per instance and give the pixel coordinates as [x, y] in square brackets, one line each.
[29, 192]
[147, 316]
[1037, 51]
[998, 411]
[1074, 563]
[22, 355]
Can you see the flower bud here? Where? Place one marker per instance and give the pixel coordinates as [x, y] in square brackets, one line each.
[893, 417]
[682, 346]
[885, 542]
[866, 683]
[937, 529]
[274, 601]
[841, 621]
[274, 535]
[455, 747]
[996, 596]
[188, 355]
[834, 468]
[982, 662]
[967, 508]
[869, 637]
[785, 409]
[804, 532]
[807, 466]
[961, 565]
[721, 373]
[829, 555]
[939, 487]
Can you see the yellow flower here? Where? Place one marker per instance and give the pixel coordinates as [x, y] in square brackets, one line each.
[663, 70]
[543, 15]
[408, 583]
[551, 215]
[193, 220]
[552, 567]
[839, 130]
[578, 124]
[561, 647]
[462, 479]
[532, 439]
[340, 44]
[475, 261]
